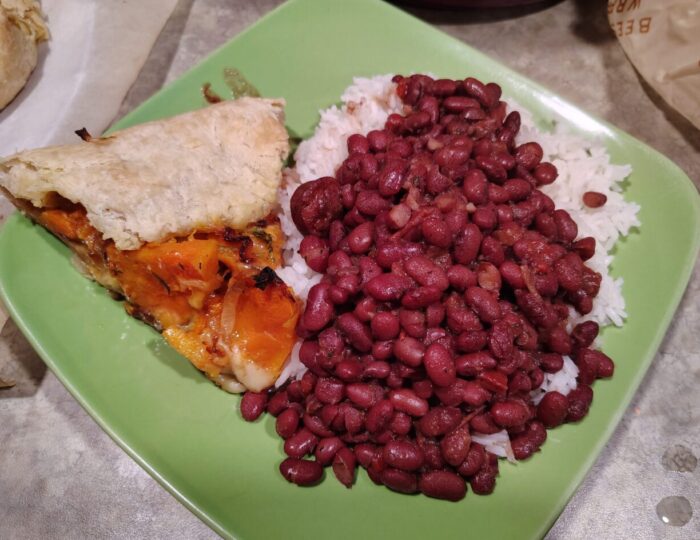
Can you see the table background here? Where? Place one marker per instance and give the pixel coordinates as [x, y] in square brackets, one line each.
[61, 476]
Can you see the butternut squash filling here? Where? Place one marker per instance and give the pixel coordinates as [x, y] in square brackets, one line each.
[213, 294]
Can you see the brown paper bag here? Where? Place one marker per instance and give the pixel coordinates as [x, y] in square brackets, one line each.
[662, 40]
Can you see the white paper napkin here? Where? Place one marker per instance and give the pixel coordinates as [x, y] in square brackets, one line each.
[96, 50]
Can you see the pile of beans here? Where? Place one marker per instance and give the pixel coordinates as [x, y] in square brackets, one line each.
[448, 277]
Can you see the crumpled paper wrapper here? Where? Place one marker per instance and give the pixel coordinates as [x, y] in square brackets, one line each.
[662, 40]
[94, 54]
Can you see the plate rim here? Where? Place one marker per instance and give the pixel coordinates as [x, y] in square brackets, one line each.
[613, 420]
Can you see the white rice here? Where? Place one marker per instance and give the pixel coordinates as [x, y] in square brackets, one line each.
[583, 165]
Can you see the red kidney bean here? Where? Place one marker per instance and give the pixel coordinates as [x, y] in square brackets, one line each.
[500, 340]
[314, 205]
[483, 303]
[594, 199]
[566, 227]
[378, 140]
[387, 287]
[315, 425]
[439, 420]
[385, 325]
[344, 465]
[364, 452]
[392, 251]
[364, 395]
[371, 203]
[398, 480]
[460, 319]
[390, 179]
[309, 354]
[406, 400]
[365, 309]
[287, 423]
[512, 274]
[467, 244]
[319, 309]
[421, 297]
[253, 405]
[569, 270]
[300, 444]
[327, 448]
[360, 239]
[476, 456]
[585, 333]
[432, 453]
[483, 423]
[552, 409]
[315, 252]
[450, 396]
[329, 415]
[529, 442]
[606, 367]
[353, 418]
[401, 423]
[368, 269]
[301, 472]
[377, 370]
[580, 399]
[431, 106]
[537, 378]
[455, 446]
[476, 89]
[461, 277]
[588, 362]
[545, 173]
[348, 195]
[436, 232]
[485, 218]
[494, 381]
[529, 155]
[340, 295]
[519, 384]
[412, 322]
[483, 482]
[551, 362]
[329, 390]
[471, 341]
[509, 413]
[558, 340]
[403, 455]
[492, 251]
[471, 365]
[545, 224]
[434, 315]
[585, 247]
[278, 402]
[442, 485]
[476, 187]
[357, 144]
[379, 416]
[439, 365]
[459, 104]
[436, 182]
[409, 350]
[357, 333]
[426, 272]
[492, 168]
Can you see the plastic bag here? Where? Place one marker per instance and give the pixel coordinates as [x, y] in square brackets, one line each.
[662, 40]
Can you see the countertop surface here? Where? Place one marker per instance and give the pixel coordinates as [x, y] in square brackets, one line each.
[61, 476]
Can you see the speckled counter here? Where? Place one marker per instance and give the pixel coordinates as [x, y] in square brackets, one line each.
[62, 477]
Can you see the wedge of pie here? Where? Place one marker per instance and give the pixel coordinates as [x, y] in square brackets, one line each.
[177, 218]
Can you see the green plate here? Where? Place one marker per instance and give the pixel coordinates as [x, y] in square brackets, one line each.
[189, 436]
